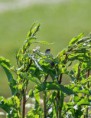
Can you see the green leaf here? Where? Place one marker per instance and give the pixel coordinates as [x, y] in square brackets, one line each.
[3, 104]
[32, 114]
[4, 63]
[83, 101]
[34, 79]
[54, 86]
[33, 30]
[30, 39]
[85, 81]
[36, 96]
[36, 116]
[11, 106]
[75, 39]
[31, 93]
[76, 99]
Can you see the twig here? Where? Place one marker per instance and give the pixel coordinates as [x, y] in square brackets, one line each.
[24, 102]
[88, 73]
[45, 99]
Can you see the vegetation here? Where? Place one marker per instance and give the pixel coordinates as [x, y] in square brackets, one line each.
[47, 72]
[59, 22]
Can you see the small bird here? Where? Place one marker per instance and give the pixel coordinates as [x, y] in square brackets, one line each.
[47, 51]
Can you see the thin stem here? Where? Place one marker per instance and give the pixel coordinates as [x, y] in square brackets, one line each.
[59, 108]
[24, 102]
[45, 99]
[45, 109]
[30, 62]
[88, 73]
[78, 73]
[60, 79]
[58, 99]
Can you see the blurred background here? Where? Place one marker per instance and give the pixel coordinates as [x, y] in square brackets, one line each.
[60, 21]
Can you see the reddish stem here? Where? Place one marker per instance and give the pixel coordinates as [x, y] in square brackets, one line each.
[24, 102]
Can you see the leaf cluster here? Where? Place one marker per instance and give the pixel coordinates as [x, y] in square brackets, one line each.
[52, 99]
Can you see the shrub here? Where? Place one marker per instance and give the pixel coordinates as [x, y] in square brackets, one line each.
[47, 72]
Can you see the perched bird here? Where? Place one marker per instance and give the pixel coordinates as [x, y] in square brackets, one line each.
[47, 51]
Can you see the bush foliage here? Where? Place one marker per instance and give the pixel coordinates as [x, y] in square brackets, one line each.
[47, 72]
